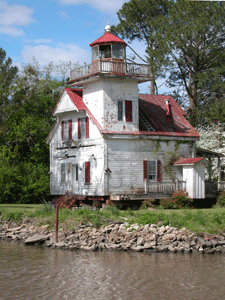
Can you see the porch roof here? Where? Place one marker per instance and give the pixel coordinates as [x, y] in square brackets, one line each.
[188, 161]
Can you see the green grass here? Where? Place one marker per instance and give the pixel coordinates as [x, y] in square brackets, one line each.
[198, 220]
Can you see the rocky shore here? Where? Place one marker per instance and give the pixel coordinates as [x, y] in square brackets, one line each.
[148, 238]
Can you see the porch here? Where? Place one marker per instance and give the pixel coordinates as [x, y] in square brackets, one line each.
[110, 67]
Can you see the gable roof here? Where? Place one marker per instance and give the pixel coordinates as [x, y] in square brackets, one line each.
[107, 38]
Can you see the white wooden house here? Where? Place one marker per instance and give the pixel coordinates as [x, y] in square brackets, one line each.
[110, 142]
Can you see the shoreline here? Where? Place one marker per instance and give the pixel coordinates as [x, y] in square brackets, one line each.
[115, 237]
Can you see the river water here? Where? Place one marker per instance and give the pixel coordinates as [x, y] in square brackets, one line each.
[28, 272]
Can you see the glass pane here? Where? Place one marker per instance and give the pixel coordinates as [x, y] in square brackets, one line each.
[82, 127]
[105, 51]
[63, 173]
[151, 170]
[118, 51]
[120, 110]
[94, 53]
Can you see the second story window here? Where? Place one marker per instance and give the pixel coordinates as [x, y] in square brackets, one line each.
[125, 111]
[83, 128]
[66, 127]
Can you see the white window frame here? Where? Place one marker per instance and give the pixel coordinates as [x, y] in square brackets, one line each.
[152, 175]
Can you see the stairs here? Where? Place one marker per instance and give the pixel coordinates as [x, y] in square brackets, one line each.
[145, 123]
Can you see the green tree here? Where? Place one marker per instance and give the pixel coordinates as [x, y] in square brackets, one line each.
[144, 20]
[195, 37]
[24, 155]
[8, 75]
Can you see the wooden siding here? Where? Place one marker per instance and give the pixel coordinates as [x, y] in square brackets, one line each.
[125, 160]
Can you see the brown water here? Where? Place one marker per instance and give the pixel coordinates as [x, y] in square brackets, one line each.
[28, 272]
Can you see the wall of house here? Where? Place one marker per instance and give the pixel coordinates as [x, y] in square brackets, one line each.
[200, 180]
[102, 96]
[125, 161]
[77, 153]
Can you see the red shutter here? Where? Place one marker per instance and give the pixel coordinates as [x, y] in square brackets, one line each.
[128, 111]
[159, 175]
[70, 130]
[79, 129]
[87, 127]
[62, 127]
[145, 170]
[87, 172]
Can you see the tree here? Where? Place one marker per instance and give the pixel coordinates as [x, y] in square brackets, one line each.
[213, 138]
[195, 38]
[24, 155]
[143, 20]
[8, 75]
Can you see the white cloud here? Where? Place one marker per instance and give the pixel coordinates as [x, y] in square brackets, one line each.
[11, 30]
[13, 16]
[103, 5]
[44, 54]
[43, 41]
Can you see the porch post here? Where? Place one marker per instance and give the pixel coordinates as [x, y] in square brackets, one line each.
[210, 169]
[219, 170]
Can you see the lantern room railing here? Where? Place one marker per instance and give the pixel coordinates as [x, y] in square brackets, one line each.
[110, 67]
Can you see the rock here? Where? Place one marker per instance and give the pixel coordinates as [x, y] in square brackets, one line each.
[40, 239]
[140, 241]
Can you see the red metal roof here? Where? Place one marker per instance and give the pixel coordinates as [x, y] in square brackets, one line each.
[185, 161]
[154, 108]
[107, 38]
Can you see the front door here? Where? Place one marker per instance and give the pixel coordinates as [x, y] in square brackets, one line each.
[75, 179]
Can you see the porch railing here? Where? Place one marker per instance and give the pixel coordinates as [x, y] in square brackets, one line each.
[167, 187]
[103, 66]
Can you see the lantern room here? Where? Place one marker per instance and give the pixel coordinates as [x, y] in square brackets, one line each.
[108, 47]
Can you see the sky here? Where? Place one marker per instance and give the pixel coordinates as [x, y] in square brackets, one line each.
[58, 30]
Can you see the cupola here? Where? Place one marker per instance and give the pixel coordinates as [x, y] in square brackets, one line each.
[108, 47]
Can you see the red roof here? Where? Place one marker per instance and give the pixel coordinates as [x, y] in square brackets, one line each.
[185, 161]
[107, 38]
[154, 109]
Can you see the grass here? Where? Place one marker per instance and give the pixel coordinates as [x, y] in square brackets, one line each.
[210, 221]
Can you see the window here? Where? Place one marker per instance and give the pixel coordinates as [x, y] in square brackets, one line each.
[66, 130]
[94, 53]
[83, 128]
[152, 170]
[120, 110]
[63, 173]
[105, 51]
[118, 51]
[125, 111]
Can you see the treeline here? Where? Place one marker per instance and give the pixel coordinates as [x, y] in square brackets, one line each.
[27, 98]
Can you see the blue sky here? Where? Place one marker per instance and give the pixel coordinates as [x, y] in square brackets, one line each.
[57, 30]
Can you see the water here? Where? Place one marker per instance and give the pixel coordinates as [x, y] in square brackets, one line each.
[28, 272]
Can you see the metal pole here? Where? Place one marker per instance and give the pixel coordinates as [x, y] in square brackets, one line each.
[57, 223]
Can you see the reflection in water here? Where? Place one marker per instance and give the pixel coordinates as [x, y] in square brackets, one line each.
[36, 273]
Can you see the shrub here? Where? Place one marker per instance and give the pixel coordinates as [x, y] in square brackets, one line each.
[147, 203]
[221, 199]
[179, 200]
